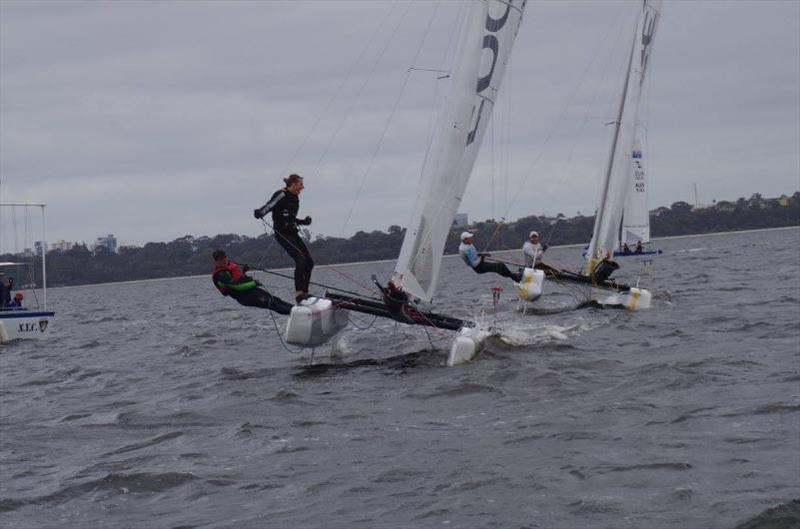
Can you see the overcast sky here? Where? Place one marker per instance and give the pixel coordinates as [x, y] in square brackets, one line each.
[153, 120]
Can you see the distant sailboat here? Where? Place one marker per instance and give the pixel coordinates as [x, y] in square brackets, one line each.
[486, 38]
[623, 188]
[29, 320]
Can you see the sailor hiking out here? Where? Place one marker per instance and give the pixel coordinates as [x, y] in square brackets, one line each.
[476, 260]
[284, 205]
[232, 281]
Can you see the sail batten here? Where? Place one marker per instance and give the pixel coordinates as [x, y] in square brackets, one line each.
[487, 37]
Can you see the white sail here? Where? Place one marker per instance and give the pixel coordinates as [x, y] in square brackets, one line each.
[618, 173]
[636, 217]
[485, 43]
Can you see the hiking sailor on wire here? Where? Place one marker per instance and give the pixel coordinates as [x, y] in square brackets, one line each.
[284, 204]
[475, 260]
[232, 281]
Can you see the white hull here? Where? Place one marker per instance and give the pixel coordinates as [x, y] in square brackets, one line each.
[634, 299]
[314, 322]
[531, 286]
[17, 324]
[467, 345]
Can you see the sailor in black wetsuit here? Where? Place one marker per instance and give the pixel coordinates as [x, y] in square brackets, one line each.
[284, 204]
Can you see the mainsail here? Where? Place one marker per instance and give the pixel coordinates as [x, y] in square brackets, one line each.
[624, 144]
[485, 43]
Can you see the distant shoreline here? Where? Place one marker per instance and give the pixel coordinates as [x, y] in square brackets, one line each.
[383, 261]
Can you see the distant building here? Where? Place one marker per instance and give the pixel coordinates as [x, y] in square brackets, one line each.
[61, 246]
[37, 247]
[461, 220]
[109, 242]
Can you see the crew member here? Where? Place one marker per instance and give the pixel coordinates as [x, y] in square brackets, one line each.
[639, 248]
[476, 261]
[231, 281]
[8, 286]
[16, 303]
[2, 290]
[284, 204]
[532, 250]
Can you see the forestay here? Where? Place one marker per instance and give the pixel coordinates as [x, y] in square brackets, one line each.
[485, 43]
[619, 173]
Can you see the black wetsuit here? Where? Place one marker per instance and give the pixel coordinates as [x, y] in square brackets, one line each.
[498, 268]
[284, 206]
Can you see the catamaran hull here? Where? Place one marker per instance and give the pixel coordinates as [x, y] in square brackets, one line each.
[314, 322]
[15, 325]
[531, 285]
[466, 346]
[633, 299]
[648, 253]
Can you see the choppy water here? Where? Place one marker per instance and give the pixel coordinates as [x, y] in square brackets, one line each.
[162, 404]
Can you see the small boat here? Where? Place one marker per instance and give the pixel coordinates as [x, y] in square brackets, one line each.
[25, 321]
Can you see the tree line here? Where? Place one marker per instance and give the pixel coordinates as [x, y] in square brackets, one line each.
[190, 255]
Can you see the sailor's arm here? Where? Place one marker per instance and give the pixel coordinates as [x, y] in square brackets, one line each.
[269, 206]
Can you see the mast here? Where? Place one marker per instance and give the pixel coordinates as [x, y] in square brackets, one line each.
[44, 260]
[594, 245]
[44, 245]
[615, 191]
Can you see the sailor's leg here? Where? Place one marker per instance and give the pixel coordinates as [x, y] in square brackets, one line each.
[260, 298]
[294, 246]
[498, 268]
[306, 266]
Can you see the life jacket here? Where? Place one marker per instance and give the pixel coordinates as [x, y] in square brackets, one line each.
[231, 268]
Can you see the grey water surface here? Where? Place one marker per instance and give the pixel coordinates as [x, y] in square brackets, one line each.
[162, 404]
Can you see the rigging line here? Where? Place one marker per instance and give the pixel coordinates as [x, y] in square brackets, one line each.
[455, 37]
[436, 114]
[280, 336]
[509, 85]
[367, 79]
[14, 226]
[329, 266]
[338, 90]
[562, 114]
[388, 123]
[323, 285]
[367, 327]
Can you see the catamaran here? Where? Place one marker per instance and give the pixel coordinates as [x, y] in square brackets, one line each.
[32, 320]
[623, 188]
[486, 38]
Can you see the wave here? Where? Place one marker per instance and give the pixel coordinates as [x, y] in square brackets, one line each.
[786, 515]
[144, 444]
[111, 484]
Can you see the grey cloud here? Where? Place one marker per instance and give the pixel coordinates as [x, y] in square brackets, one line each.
[159, 119]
